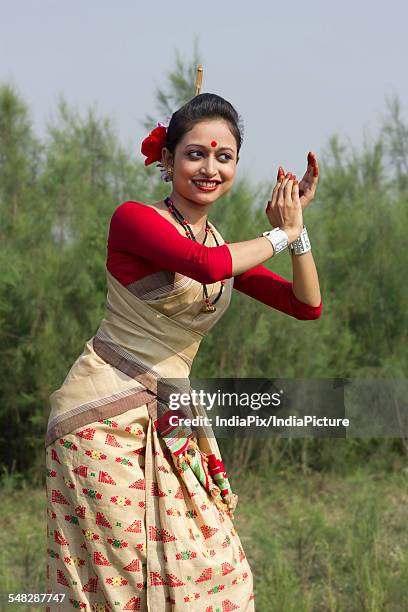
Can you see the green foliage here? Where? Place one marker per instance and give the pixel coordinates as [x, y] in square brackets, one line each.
[180, 90]
[22, 539]
[335, 543]
[318, 543]
[56, 200]
[54, 224]
[324, 542]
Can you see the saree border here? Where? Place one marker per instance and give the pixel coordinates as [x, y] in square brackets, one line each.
[97, 410]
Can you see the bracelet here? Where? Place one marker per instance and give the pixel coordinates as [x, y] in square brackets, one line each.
[278, 239]
[301, 245]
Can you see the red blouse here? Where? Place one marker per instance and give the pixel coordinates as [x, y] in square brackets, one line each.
[141, 242]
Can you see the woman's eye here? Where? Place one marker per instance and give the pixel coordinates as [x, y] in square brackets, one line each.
[200, 153]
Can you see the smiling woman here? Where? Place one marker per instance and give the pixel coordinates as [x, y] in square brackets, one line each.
[140, 509]
[198, 167]
[221, 153]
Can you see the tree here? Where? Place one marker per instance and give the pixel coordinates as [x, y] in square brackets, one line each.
[56, 200]
[181, 88]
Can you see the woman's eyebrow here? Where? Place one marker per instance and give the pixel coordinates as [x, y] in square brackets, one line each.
[203, 147]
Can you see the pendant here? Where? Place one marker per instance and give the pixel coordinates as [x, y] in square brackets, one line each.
[208, 307]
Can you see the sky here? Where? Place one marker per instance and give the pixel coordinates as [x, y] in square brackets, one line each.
[297, 72]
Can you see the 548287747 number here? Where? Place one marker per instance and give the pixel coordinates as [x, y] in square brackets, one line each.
[35, 598]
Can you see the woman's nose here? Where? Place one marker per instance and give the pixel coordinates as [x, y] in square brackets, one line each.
[209, 167]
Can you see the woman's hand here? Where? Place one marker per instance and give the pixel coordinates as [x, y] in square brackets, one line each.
[284, 209]
[308, 184]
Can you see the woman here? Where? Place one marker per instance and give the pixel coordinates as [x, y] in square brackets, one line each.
[140, 508]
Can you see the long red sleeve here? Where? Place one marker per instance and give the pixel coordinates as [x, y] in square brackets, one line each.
[275, 291]
[141, 242]
[140, 230]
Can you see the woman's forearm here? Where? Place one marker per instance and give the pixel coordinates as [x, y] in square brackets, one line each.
[251, 253]
[246, 255]
[305, 279]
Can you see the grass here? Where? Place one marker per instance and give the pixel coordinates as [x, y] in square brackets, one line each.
[315, 543]
[22, 541]
[327, 543]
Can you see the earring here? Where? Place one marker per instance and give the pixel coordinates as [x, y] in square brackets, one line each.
[169, 171]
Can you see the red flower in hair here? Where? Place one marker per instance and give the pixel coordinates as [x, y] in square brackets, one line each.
[153, 144]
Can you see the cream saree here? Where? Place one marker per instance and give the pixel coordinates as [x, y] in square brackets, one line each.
[139, 512]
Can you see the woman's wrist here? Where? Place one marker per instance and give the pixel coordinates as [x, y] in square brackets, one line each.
[292, 232]
[301, 245]
[282, 238]
[278, 239]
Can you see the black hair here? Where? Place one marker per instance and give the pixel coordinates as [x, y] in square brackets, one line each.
[202, 107]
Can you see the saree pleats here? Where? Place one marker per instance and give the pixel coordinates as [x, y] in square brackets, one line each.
[140, 514]
[128, 531]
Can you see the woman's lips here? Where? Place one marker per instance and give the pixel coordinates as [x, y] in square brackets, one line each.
[205, 188]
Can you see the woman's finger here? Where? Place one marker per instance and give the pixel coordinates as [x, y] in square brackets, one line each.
[288, 191]
[282, 186]
[277, 190]
[295, 193]
[312, 162]
[280, 176]
[280, 194]
[273, 197]
[274, 194]
[281, 173]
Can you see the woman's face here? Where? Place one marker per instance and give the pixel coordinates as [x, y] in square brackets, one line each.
[208, 152]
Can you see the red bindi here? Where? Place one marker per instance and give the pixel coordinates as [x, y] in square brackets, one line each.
[213, 143]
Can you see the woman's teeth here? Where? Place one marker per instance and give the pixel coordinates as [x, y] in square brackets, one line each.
[206, 184]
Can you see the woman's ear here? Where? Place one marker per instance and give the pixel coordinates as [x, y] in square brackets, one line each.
[167, 158]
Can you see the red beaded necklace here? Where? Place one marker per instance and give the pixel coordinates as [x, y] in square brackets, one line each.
[208, 306]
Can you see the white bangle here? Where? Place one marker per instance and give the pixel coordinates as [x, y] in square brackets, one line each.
[302, 244]
[278, 239]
